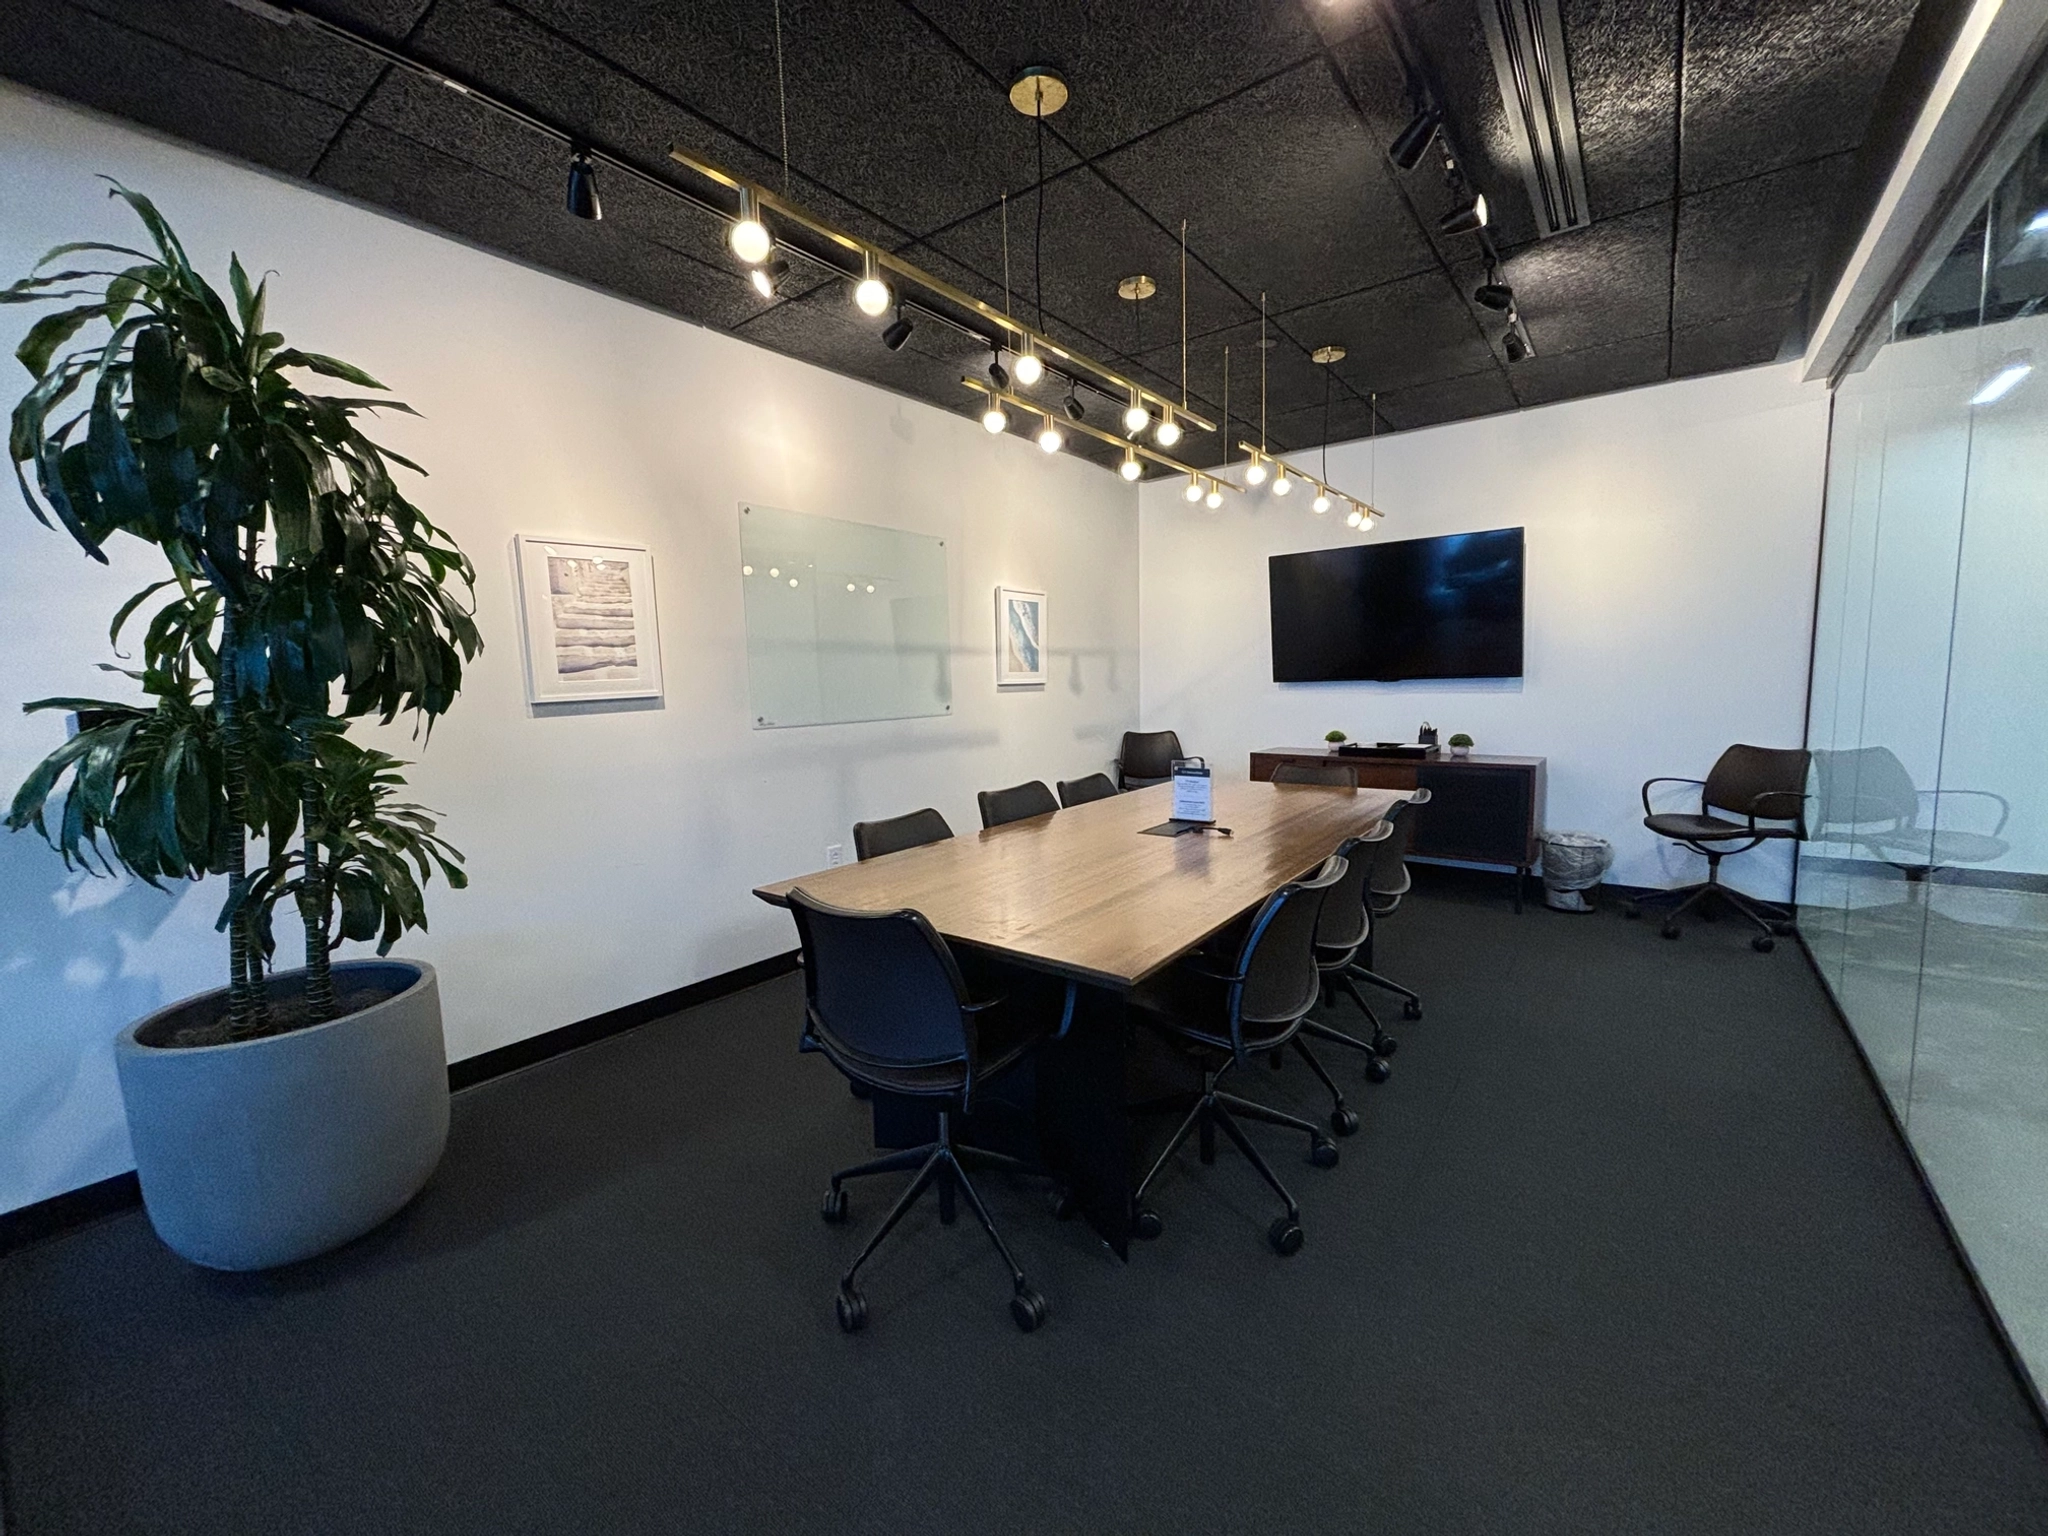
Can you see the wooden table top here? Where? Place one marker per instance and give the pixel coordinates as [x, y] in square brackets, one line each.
[1082, 892]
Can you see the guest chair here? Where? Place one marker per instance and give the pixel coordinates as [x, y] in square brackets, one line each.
[1097, 786]
[1754, 783]
[1385, 886]
[1226, 1014]
[1146, 758]
[872, 839]
[1343, 929]
[885, 1002]
[1001, 806]
[1336, 776]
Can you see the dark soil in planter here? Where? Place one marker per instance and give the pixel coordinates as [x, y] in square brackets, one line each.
[205, 1021]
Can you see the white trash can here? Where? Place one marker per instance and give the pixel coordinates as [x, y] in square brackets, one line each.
[1573, 863]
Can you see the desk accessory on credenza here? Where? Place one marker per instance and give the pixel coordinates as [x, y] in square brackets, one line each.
[1402, 749]
[1426, 735]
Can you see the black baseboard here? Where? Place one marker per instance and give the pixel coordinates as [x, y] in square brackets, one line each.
[75, 1207]
[2030, 1389]
[1946, 874]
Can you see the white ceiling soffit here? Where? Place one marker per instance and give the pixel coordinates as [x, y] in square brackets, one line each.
[1988, 74]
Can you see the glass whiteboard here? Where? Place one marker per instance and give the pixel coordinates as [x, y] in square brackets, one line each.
[845, 621]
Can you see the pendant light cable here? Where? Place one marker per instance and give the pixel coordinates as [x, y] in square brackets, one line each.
[782, 97]
[1262, 372]
[1038, 234]
[1226, 405]
[1183, 314]
[1006, 253]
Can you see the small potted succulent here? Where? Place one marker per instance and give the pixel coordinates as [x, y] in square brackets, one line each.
[1336, 738]
[1460, 745]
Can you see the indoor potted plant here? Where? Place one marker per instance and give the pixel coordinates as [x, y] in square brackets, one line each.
[1336, 738]
[1460, 745]
[281, 1114]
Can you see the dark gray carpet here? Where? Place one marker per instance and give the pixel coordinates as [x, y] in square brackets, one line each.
[1625, 1245]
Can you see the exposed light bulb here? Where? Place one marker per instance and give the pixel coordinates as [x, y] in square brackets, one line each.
[1029, 369]
[746, 570]
[749, 238]
[772, 571]
[871, 586]
[1194, 490]
[1255, 472]
[993, 418]
[1281, 484]
[849, 586]
[1322, 501]
[1353, 518]
[1215, 497]
[872, 295]
[1131, 468]
[792, 581]
[1050, 439]
[1168, 430]
[1479, 208]
[1135, 414]
[768, 279]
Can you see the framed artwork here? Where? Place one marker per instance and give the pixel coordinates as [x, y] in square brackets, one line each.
[1020, 638]
[587, 609]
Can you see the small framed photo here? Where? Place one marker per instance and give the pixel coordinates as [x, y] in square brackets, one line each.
[587, 609]
[1020, 638]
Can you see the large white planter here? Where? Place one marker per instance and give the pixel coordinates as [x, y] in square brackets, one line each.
[263, 1152]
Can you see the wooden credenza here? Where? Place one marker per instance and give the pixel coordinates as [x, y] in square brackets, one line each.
[1482, 810]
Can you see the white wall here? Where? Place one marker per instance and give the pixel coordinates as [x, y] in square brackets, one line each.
[611, 853]
[1671, 538]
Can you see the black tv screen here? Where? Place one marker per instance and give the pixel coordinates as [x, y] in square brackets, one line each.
[1443, 607]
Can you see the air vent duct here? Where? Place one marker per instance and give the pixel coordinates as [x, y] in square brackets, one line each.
[1527, 40]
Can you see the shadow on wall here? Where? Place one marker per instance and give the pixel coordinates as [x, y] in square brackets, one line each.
[81, 959]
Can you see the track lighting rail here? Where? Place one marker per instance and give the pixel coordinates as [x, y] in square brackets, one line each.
[1131, 447]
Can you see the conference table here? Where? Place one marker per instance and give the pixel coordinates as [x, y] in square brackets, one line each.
[1085, 900]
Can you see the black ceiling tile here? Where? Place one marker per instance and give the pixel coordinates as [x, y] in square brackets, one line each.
[1282, 191]
[299, 58]
[879, 109]
[1426, 405]
[1129, 69]
[1769, 84]
[1750, 245]
[391, 20]
[1093, 239]
[1623, 56]
[1292, 379]
[71, 52]
[1594, 285]
[1298, 432]
[839, 337]
[1596, 370]
[1397, 334]
[1736, 341]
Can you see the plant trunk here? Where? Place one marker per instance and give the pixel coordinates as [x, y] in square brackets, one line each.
[314, 902]
[245, 981]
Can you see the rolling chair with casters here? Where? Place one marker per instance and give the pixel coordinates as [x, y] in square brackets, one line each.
[1868, 800]
[1385, 886]
[885, 1003]
[999, 807]
[1097, 786]
[1342, 930]
[1335, 775]
[1227, 1016]
[1750, 782]
[872, 839]
[1146, 758]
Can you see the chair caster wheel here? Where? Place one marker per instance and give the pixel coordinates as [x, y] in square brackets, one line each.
[1285, 1236]
[1147, 1224]
[1411, 1009]
[859, 1090]
[1783, 930]
[1669, 930]
[852, 1308]
[1029, 1310]
[1377, 1069]
[834, 1208]
[1763, 943]
[1384, 1045]
[1344, 1120]
[1323, 1152]
[1062, 1203]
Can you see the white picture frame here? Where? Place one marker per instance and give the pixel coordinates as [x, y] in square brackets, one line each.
[1020, 638]
[586, 609]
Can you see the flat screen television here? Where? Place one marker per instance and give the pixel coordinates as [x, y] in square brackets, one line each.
[1410, 608]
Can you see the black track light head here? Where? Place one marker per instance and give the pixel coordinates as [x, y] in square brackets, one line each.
[1412, 142]
[583, 187]
[999, 373]
[1495, 296]
[1073, 407]
[1517, 350]
[897, 331]
[1467, 218]
[767, 280]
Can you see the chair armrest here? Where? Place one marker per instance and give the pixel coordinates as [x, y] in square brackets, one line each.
[1647, 811]
[2004, 805]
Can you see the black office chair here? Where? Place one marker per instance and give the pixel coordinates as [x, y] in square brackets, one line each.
[1865, 797]
[1001, 806]
[1097, 786]
[1334, 775]
[885, 1003]
[1146, 758]
[1228, 1015]
[872, 839]
[1755, 783]
[1343, 930]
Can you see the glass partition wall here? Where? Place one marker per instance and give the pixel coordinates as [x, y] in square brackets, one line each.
[1923, 894]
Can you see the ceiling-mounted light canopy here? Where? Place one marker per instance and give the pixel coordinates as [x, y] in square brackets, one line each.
[1029, 369]
[1130, 469]
[1412, 142]
[1497, 296]
[1468, 217]
[1050, 439]
[872, 294]
[749, 237]
[1135, 414]
[767, 279]
[583, 187]
[897, 331]
[993, 418]
[1168, 431]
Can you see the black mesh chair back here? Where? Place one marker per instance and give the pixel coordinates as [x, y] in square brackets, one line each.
[1278, 980]
[1389, 879]
[872, 839]
[1147, 758]
[1344, 921]
[1097, 786]
[1862, 786]
[1334, 774]
[1768, 783]
[1000, 806]
[881, 990]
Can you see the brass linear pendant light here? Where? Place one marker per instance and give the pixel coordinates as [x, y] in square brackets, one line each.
[1284, 474]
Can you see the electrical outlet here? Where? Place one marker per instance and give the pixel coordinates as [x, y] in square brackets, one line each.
[835, 855]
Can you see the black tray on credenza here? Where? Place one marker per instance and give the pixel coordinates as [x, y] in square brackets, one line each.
[1384, 750]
